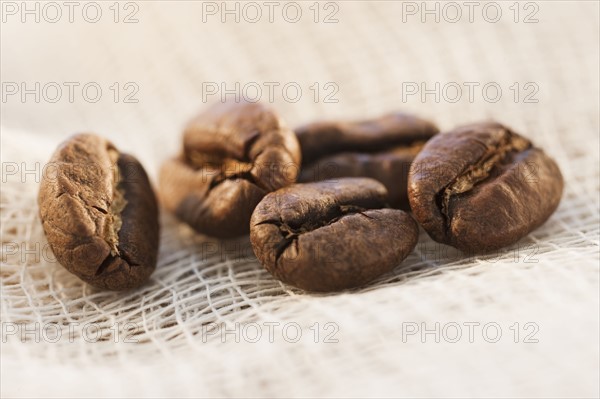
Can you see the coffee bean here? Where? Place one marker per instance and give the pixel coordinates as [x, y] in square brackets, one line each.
[234, 154]
[99, 213]
[382, 149]
[330, 235]
[482, 187]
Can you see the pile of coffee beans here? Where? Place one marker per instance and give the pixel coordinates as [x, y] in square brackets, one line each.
[327, 206]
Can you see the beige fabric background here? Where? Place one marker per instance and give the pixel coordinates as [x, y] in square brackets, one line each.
[549, 279]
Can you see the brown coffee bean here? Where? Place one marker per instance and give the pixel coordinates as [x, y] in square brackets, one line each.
[330, 235]
[482, 187]
[381, 148]
[234, 154]
[99, 213]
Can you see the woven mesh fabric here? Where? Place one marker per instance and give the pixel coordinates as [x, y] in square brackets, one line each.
[196, 320]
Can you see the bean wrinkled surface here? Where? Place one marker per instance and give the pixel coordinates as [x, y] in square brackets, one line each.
[331, 235]
[99, 213]
[481, 187]
[233, 154]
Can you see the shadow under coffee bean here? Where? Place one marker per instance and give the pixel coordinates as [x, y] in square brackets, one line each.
[100, 214]
[233, 154]
[331, 235]
[481, 187]
[381, 148]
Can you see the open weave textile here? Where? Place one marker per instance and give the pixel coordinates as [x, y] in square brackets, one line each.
[211, 321]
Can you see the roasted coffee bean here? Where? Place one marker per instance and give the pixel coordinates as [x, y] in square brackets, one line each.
[330, 235]
[482, 187]
[234, 154]
[99, 213]
[382, 149]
